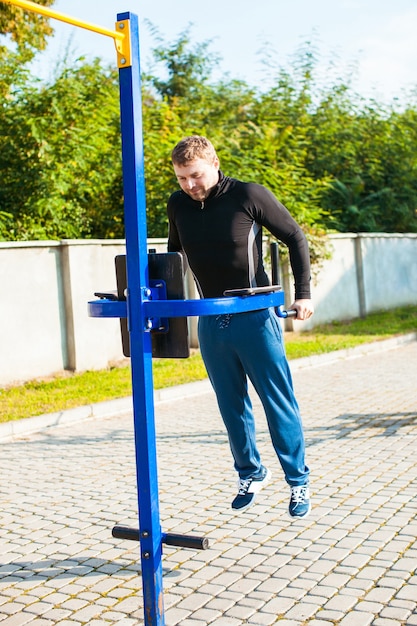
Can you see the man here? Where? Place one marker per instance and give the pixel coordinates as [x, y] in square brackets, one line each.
[217, 221]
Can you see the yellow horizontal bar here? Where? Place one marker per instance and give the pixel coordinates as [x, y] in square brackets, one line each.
[42, 10]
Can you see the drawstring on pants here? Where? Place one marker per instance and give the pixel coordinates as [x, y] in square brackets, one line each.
[224, 320]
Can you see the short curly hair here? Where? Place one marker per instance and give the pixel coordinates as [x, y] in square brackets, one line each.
[191, 148]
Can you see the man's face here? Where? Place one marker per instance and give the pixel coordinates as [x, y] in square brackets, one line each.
[198, 177]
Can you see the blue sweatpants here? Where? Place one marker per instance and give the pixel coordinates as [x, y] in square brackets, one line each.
[250, 345]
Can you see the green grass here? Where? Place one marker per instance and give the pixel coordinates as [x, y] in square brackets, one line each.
[342, 335]
[71, 390]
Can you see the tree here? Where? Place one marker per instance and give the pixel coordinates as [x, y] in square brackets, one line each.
[259, 137]
[368, 152]
[187, 67]
[22, 34]
[336, 161]
[60, 158]
[28, 30]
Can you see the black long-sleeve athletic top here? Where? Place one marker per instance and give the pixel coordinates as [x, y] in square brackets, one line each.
[222, 237]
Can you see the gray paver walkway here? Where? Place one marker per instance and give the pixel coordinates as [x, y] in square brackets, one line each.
[351, 562]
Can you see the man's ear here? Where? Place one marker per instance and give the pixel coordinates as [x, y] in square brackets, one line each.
[216, 162]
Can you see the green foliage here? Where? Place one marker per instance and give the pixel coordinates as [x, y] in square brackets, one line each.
[336, 161]
[161, 131]
[28, 30]
[188, 67]
[60, 158]
[367, 150]
[22, 34]
[259, 137]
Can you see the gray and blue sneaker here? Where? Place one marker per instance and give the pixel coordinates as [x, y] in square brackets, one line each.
[300, 505]
[247, 490]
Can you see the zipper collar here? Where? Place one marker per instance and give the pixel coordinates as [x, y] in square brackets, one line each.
[216, 191]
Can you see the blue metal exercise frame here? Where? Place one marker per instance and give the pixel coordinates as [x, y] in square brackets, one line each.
[143, 308]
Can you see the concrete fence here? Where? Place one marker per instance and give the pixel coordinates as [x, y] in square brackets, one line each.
[45, 328]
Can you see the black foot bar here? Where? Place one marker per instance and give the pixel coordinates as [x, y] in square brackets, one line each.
[170, 539]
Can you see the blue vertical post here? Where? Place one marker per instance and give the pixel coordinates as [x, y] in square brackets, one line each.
[140, 340]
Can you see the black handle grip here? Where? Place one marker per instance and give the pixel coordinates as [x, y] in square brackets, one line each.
[170, 539]
[185, 541]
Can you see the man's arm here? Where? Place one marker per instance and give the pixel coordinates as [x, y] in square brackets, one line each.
[277, 219]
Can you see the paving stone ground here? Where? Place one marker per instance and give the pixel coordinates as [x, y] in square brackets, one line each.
[352, 562]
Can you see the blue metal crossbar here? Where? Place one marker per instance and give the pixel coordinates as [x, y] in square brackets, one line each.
[189, 308]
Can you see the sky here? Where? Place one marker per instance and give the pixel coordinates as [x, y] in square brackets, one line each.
[377, 37]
